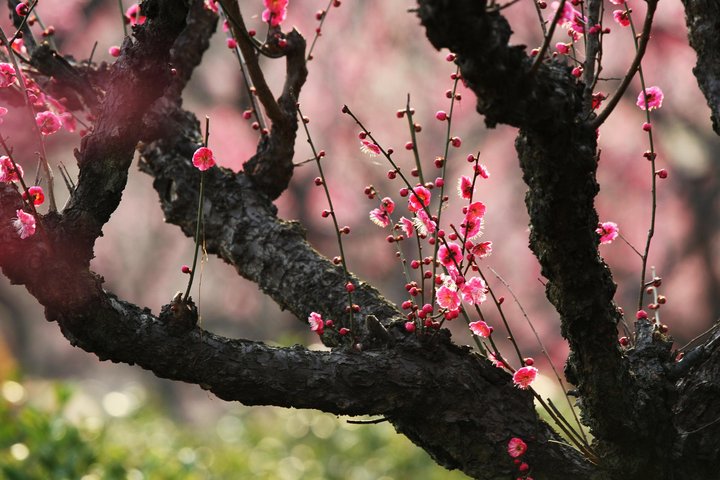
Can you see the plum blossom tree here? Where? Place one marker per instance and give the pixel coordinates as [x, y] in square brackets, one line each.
[650, 414]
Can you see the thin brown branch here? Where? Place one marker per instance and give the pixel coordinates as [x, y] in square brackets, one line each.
[639, 54]
[249, 54]
[547, 40]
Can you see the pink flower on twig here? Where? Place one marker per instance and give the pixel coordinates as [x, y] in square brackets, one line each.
[275, 12]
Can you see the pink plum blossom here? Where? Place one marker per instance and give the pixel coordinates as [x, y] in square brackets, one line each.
[480, 328]
[48, 122]
[482, 170]
[406, 226]
[7, 75]
[523, 377]
[608, 231]
[211, 5]
[473, 291]
[465, 187]
[654, 97]
[203, 158]
[449, 255]
[562, 48]
[424, 223]
[7, 170]
[419, 197]
[134, 15]
[36, 193]
[24, 224]
[369, 148]
[316, 323]
[387, 204]
[448, 298]
[3, 112]
[482, 249]
[621, 17]
[516, 447]
[380, 217]
[275, 12]
[473, 223]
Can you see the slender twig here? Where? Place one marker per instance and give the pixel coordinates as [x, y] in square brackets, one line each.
[24, 21]
[122, 16]
[232, 10]
[540, 18]
[506, 5]
[640, 52]
[338, 233]
[548, 39]
[198, 216]
[442, 175]
[591, 51]
[653, 190]
[413, 139]
[8, 151]
[698, 337]
[319, 30]
[542, 348]
[630, 245]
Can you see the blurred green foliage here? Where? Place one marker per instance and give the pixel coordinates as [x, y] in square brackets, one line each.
[55, 432]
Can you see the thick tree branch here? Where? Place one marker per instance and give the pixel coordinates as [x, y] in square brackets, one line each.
[138, 77]
[242, 228]
[703, 22]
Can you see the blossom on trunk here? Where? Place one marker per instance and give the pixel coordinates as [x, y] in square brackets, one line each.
[516, 447]
[24, 223]
[608, 231]
[316, 323]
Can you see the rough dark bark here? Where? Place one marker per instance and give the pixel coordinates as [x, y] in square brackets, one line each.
[703, 22]
[639, 404]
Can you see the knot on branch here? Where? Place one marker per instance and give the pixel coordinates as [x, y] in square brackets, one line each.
[180, 315]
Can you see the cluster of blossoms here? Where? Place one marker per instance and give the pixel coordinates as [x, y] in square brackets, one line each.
[24, 223]
[454, 290]
[516, 449]
[52, 114]
[571, 19]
